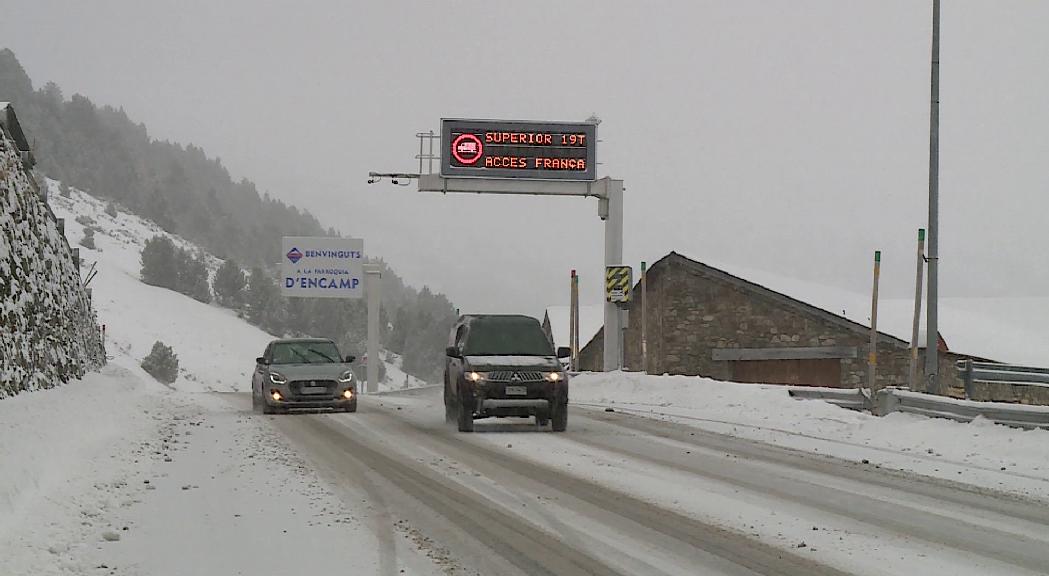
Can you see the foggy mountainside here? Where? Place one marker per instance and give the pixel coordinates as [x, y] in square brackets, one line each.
[99, 150]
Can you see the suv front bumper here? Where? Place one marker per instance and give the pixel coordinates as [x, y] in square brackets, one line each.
[496, 403]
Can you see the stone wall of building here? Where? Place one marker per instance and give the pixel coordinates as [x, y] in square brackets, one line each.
[694, 310]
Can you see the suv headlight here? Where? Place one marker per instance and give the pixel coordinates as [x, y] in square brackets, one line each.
[278, 378]
[476, 376]
[554, 376]
[346, 377]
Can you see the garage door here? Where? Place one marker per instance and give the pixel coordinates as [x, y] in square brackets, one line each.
[807, 372]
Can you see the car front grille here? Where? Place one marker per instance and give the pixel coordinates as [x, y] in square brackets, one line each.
[515, 376]
[297, 387]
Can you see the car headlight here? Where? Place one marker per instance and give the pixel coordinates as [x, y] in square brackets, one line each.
[278, 378]
[476, 376]
[554, 376]
[346, 376]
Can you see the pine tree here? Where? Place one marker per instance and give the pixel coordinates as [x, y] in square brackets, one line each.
[193, 276]
[63, 189]
[88, 241]
[229, 284]
[111, 210]
[161, 363]
[263, 300]
[160, 262]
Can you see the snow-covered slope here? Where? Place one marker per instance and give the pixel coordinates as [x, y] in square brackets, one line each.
[216, 348]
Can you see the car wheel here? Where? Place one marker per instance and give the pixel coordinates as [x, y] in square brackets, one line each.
[559, 416]
[450, 414]
[466, 417]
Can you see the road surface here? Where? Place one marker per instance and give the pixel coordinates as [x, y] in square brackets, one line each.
[622, 495]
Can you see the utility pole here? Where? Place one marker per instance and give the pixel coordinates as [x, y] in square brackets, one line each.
[872, 357]
[932, 355]
[912, 379]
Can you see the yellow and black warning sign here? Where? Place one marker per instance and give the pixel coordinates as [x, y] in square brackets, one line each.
[618, 282]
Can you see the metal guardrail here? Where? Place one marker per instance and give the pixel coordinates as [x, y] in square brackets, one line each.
[891, 400]
[851, 398]
[991, 373]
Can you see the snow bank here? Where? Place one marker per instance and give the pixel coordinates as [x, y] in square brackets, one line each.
[979, 453]
[51, 435]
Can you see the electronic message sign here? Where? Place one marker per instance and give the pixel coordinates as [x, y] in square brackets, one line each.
[518, 149]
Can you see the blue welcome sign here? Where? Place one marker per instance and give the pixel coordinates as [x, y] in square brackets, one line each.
[322, 267]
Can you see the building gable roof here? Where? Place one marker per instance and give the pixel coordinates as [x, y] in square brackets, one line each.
[765, 293]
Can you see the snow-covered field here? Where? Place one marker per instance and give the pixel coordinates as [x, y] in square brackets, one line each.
[980, 453]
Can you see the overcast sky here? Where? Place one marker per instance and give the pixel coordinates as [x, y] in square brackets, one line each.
[785, 136]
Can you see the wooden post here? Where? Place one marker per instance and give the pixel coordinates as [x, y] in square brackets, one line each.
[644, 323]
[571, 321]
[872, 358]
[573, 339]
[913, 379]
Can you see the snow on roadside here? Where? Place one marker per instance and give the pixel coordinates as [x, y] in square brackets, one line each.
[396, 377]
[980, 453]
[115, 474]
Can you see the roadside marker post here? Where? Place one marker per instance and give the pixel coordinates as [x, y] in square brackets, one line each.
[916, 323]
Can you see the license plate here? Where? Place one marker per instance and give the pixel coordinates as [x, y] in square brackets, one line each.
[516, 390]
[314, 389]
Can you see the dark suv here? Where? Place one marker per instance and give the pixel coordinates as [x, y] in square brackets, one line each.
[503, 365]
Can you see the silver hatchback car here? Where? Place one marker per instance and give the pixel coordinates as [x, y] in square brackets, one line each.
[303, 373]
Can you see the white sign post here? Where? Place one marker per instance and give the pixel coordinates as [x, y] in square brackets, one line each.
[322, 267]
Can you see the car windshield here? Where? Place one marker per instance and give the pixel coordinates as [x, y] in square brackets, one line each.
[507, 337]
[305, 353]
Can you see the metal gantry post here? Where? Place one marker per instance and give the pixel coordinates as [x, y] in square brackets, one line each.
[613, 257]
[374, 286]
[932, 356]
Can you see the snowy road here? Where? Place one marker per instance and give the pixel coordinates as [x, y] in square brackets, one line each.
[619, 494]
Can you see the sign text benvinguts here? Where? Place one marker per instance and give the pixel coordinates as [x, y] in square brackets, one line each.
[322, 267]
[518, 149]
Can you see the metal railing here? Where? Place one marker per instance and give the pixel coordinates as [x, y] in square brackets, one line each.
[889, 400]
[991, 373]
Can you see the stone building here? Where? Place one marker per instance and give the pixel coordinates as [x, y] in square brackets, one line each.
[704, 321]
